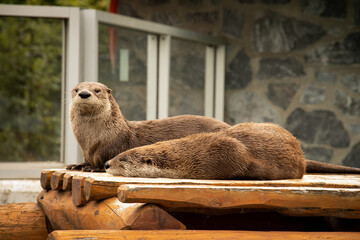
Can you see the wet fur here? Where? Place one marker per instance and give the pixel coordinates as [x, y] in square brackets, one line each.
[102, 131]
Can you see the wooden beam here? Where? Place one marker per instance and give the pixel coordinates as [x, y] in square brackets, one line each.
[67, 182]
[109, 214]
[22, 221]
[77, 191]
[191, 235]
[56, 181]
[104, 186]
[304, 201]
[45, 178]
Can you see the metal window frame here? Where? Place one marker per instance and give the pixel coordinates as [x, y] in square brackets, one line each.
[71, 75]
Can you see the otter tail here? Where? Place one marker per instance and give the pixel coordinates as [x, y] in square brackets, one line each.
[320, 167]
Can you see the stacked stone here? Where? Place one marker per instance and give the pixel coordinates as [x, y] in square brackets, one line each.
[292, 62]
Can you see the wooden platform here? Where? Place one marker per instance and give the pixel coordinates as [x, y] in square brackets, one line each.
[82, 205]
[314, 195]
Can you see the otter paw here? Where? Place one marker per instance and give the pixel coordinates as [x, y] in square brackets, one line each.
[89, 168]
[77, 167]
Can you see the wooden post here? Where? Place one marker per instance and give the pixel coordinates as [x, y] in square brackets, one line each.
[22, 221]
[109, 214]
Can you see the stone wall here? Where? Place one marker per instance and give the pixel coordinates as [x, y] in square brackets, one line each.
[292, 62]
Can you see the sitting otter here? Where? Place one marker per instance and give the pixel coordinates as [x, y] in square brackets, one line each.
[259, 151]
[102, 131]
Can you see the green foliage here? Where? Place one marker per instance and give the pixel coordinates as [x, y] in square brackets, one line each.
[30, 89]
[30, 83]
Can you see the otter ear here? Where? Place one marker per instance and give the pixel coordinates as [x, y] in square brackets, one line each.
[109, 91]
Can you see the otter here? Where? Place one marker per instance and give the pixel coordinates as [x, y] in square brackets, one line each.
[251, 151]
[103, 132]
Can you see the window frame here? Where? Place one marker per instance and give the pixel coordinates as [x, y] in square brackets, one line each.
[71, 74]
[159, 54]
[80, 63]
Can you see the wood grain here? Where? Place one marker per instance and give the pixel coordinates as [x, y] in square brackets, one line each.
[56, 181]
[109, 214]
[104, 186]
[191, 235]
[22, 221]
[304, 201]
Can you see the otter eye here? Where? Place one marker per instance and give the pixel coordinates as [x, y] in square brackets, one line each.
[148, 161]
[97, 90]
[76, 90]
[123, 159]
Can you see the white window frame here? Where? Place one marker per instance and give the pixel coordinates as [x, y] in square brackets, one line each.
[70, 77]
[80, 63]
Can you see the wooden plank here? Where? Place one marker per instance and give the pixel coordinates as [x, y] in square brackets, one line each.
[109, 214]
[201, 234]
[56, 181]
[67, 182]
[339, 202]
[77, 190]
[104, 186]
[77, 187]
[22, 221]
[45, 178]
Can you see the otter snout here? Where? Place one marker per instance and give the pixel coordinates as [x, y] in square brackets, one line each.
[84, 94]
[107, 165]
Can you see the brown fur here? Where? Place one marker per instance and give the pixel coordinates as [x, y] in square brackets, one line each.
[244, 151]
[102, 131]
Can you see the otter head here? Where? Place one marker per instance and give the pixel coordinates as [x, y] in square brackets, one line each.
[136, 162]
[91, 98]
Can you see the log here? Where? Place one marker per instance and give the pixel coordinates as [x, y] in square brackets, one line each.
[203, 234]
[305, 201]
[109, 214]
[22, 221]
[105, 186]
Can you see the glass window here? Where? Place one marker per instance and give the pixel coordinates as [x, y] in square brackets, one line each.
[30, 89]
[123, 68]
[187, 78]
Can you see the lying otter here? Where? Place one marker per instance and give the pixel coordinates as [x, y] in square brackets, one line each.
[245, 151]
[102, 131]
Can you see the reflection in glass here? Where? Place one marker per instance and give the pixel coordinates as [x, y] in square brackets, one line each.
[30, 89]
[123, 69]
[187, 78]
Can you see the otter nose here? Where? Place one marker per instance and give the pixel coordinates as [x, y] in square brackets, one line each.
[84, 94]
[107, 165]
